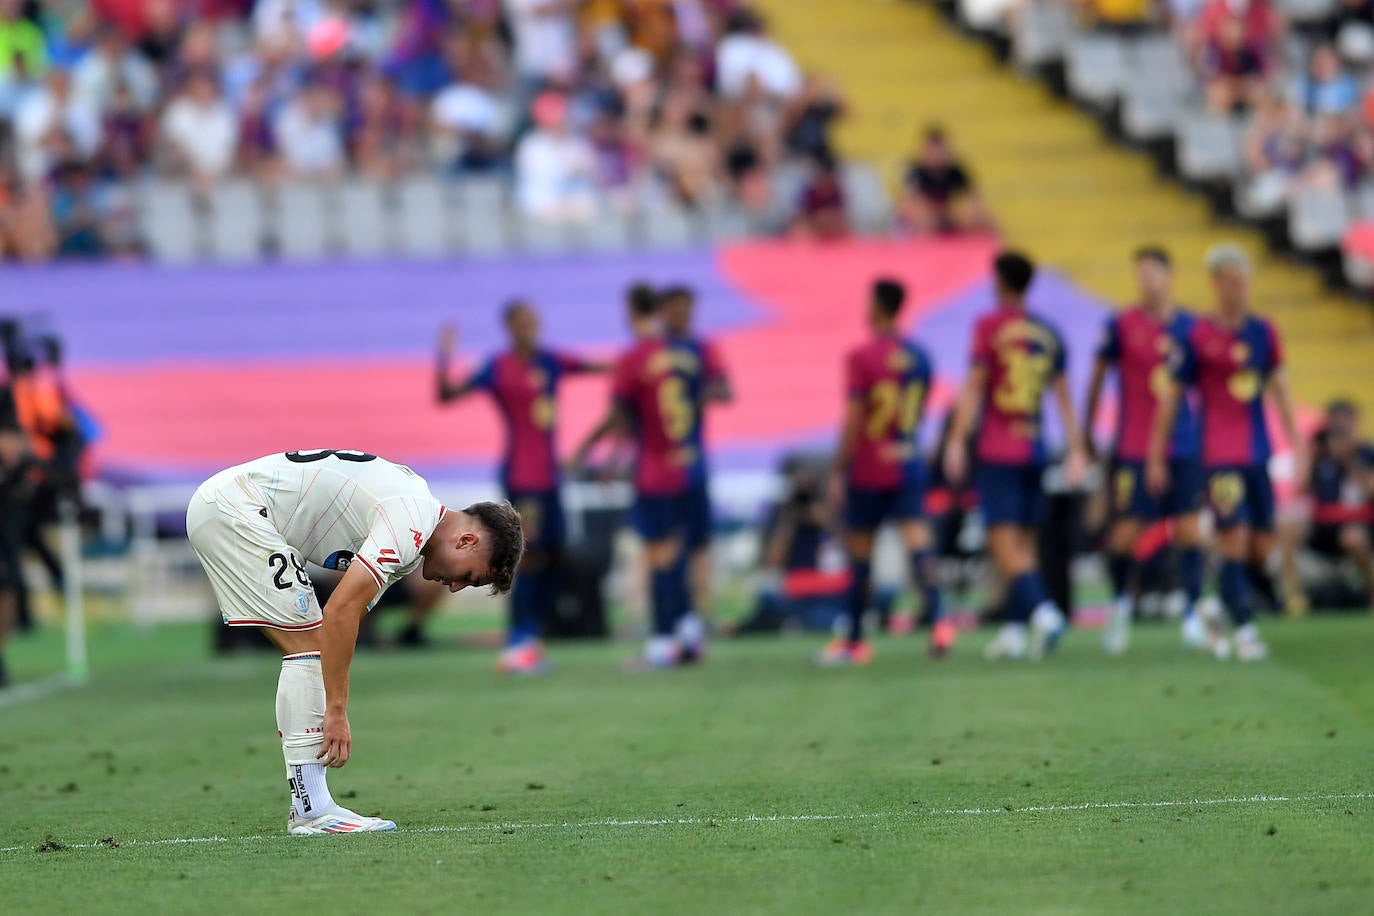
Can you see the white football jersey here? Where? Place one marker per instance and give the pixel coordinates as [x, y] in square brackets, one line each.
[337, 506]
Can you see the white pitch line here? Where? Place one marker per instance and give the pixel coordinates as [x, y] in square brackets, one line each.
[760, 819]
[36, 690]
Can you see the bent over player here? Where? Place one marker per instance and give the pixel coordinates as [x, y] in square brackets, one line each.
[255, 525]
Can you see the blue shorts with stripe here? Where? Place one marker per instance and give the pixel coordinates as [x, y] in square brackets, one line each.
[1241, 495]
[541, 511]
[866, 509]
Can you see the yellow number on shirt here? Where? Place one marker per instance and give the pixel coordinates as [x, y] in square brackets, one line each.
[889, 402]
[541, 412]
[1024, 382]
[1160, 380]
[676, 408]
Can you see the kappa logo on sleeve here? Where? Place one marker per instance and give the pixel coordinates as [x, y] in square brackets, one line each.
[387, 555]
[419, 538]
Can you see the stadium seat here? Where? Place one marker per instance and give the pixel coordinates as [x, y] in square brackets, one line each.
[1363, 205]
[667, 226]
[1208, 147]
[168, 221]
[1039, 34]
[1096, 69]
[866, 201]
[1308, 12]
[421, 218]
[236, 222]
[610, 231]
[302, 223]
[727, 223]
[479, 210]
[1317, 218]
[538, 236]
[1150, 109]
[363, 222]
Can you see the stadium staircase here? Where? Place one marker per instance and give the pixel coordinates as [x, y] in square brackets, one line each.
[1058, 187]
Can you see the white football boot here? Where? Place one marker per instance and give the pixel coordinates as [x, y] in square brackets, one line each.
[1010, 643]
[1047, 625]
[1116, 635]
[336, 820]
[1194, 631]
[1249, 646]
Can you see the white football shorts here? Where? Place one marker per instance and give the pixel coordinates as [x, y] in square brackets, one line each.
[259, 579]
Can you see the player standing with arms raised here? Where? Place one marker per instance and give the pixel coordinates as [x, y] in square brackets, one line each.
[255, 525]
[1016, 357]
[707, 383]
[1139, 343]
[880, 470]
[523, 382]
[1231, 358]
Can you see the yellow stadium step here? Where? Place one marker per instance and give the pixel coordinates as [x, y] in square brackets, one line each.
[1059, 189]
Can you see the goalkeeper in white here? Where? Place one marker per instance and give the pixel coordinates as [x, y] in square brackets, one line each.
[255, 525]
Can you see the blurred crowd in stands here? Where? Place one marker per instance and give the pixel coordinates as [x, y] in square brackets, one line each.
[577, 102]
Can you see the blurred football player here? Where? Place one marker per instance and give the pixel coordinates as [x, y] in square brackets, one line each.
[880, 471]
[523, 382]
[1139, 343]
[1016, 357]
[1231, 358]
[254, 527]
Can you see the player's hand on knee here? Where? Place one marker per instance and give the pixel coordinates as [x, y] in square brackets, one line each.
[338, 741]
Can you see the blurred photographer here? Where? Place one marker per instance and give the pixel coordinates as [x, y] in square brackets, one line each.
[795, 587]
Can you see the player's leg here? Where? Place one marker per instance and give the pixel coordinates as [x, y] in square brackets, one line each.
[1226, 493]
[697, 544]
[1028, 599]
[522, 626]
[919, 541]
[655, 518]
[1123, 574]
[852, 648]
[259, 581]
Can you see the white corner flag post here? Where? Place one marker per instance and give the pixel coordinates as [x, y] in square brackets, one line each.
[73, 588]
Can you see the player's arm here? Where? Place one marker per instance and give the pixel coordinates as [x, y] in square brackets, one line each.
[1076, 462]
[447, 390]
[1282, 395]
[616, 424]
[1156, 465]
[338, 636]
[965, 412]
[1095, 385]
[849, 443]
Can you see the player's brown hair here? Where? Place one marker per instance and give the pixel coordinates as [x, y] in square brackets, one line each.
[507, 541]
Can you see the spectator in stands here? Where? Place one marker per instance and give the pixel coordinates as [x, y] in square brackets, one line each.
[1233, 67]
[617, 160]
[748, 56]
[201, 132]
[1343, 153]
[26, 232]
[822, 215]
[23, 49]
[940, 195]
[113, 61]
[811, 117]
[309, 134]
[381, 136]
[1261, 27]
[79, 207]
[555, 169]
[1327, 89]
[124, 138]
[685, 154]
[545, 39]
[469, 124]
[53, 124]
[1275, 149]
[1341, 490]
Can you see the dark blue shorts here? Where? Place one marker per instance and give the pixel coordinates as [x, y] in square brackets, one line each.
[866, 510]
[1011, 494]
[697, 526]
[1131, 498]
[1241, 496]
[542, 513]
[658, 518]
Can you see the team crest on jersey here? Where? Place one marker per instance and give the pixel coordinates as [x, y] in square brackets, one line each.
[303, 603]
[339, 559]
[1240, 352]
[1243, 385]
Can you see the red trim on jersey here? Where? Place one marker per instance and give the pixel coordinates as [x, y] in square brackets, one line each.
[368, 566]
[252, 622]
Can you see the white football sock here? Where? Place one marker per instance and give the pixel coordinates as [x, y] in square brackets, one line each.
[300, 724]
[691, 630]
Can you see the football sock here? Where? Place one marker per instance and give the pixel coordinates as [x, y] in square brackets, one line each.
[1235, 591]
[691, 630]
[1190, 574]
[300, 723]
[926, 578]
[524, 608]
[309, 789]
[1024, 595]
[664, 597]
[1263, 584]
[860, 578]
[1119, 571]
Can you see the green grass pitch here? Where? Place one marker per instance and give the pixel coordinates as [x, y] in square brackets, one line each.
[908, 786]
